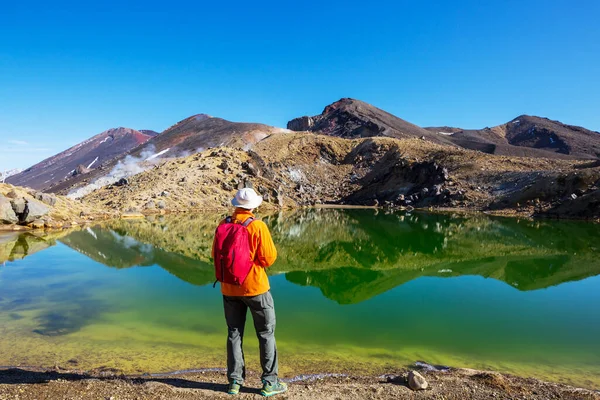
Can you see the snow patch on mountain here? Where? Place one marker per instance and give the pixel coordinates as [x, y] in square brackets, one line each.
[92, 163]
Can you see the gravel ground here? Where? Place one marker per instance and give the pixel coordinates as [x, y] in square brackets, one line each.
[455, 384]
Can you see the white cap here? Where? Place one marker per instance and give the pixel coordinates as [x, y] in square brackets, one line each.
[247, 198]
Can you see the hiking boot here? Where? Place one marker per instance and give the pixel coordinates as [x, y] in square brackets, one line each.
[234, 387]
[270, 389]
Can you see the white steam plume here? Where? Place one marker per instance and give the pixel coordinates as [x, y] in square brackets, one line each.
[125, 168]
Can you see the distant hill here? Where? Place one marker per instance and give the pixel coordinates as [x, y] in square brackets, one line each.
[528, 136]
[80, 158]
[350, 119]
[525, 136]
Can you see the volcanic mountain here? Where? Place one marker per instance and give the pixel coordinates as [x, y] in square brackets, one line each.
[191, 135]
[528, 136]
[80, 158]
[351, 119]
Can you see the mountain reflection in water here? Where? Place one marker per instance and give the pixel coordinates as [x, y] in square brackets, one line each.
[351, 255]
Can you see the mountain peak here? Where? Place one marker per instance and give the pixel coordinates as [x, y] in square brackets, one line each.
[351, 118]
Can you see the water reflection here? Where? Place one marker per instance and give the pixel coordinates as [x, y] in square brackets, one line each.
[350, 255]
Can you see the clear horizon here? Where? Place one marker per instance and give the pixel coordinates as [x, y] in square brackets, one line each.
[69, 71]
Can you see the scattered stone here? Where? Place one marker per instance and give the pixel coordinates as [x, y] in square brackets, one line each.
[416, 381]
[150, 205]
[12, 194]
[161, 205]
[7, 214]
[164, 193]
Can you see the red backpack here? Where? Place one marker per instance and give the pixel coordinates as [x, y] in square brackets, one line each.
[231, 251]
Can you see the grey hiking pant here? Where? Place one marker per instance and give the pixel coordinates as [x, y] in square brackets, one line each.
[263, 313]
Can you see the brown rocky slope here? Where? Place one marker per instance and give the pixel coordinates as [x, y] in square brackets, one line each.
[298, 169]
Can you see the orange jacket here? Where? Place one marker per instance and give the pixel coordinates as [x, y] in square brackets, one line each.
[262, 251]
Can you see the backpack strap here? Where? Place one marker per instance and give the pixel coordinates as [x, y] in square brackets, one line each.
[248, 222]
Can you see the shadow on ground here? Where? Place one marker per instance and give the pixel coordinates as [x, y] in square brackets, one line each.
[17, 376]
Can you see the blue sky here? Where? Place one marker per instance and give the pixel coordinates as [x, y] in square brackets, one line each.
[69, 70]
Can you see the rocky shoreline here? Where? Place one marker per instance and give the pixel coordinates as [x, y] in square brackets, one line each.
[58, 383]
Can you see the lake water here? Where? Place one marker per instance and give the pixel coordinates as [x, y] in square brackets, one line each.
[358, 291]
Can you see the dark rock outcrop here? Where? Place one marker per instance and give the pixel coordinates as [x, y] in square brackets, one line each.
[301, 124]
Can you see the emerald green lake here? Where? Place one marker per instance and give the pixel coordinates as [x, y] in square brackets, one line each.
[356, 291]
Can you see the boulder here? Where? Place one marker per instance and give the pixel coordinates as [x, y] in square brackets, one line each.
[161, 205]
[35, 210]
[416, 381]
[80, 170]
[45, 198]
[122, 182]
[151, 204]
[7, 214]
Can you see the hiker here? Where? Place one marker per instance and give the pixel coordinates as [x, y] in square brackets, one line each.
[245, 285]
